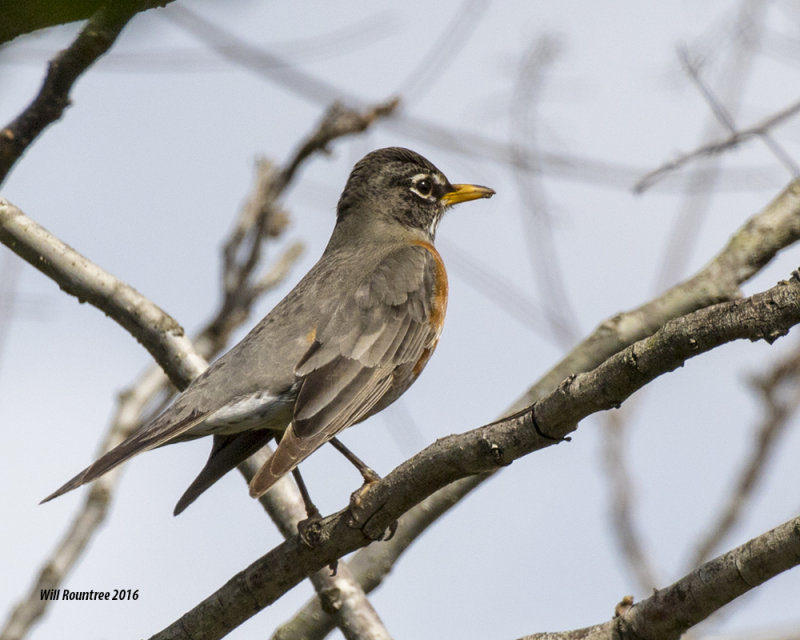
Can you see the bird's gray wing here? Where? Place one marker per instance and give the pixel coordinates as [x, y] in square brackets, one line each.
[372, 348]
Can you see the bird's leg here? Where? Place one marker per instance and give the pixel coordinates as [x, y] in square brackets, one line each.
[366, 472]
[370, 477]
[309, 529]
[311, 508]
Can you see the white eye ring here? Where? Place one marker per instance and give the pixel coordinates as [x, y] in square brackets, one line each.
[422, 185]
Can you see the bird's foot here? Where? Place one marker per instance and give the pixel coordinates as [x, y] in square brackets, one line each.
[360, 518]
[310, 530]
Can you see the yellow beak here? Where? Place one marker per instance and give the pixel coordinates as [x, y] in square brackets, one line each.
[465, 193]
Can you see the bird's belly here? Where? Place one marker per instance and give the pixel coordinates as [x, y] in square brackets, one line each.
[260, 410]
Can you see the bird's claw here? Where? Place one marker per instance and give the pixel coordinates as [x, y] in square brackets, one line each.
[310, 530]
[360, 518]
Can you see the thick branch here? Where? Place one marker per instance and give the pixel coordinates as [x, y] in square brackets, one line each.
[159, 333]
[767, 315]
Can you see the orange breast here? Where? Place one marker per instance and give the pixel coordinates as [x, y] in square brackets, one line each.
[438, 303]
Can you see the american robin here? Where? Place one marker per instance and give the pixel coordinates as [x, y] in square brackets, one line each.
[345, 343]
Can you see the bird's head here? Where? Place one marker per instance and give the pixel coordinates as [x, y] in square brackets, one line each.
[402, 186]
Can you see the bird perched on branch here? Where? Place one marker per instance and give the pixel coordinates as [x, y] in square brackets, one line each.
[345, 343]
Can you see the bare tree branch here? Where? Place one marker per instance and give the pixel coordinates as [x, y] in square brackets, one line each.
[700, 186]
[669, 612]
[766, 315]
[160, 334]
[558, 311]
[94, 40]
[724, 116]
[621, 490]
[275, 69]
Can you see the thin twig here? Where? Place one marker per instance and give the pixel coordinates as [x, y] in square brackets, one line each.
[735, 138]
[94, 40]
[275, 69]
[701, 186]
[622, 503]
[454, 35]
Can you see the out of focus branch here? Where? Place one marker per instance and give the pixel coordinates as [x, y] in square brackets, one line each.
[723, 114]
[701, 185]
[546, 266]
[752, 246]
[621, 490]
[780, 396]
[734, 139]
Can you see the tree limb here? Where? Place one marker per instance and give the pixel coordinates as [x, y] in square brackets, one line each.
[766, 315]
[735, 138]
[156, 330]
[779, 394]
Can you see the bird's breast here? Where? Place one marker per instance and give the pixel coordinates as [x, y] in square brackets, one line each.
[440, 288]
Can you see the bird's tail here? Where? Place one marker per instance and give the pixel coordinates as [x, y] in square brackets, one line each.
[152, 435]
[226, 453]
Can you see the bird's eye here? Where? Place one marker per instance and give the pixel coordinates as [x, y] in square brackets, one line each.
[424, 187]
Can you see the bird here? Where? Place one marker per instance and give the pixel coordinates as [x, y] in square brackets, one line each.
[345, 342]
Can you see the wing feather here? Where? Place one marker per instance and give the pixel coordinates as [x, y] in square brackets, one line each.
[364, 358]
